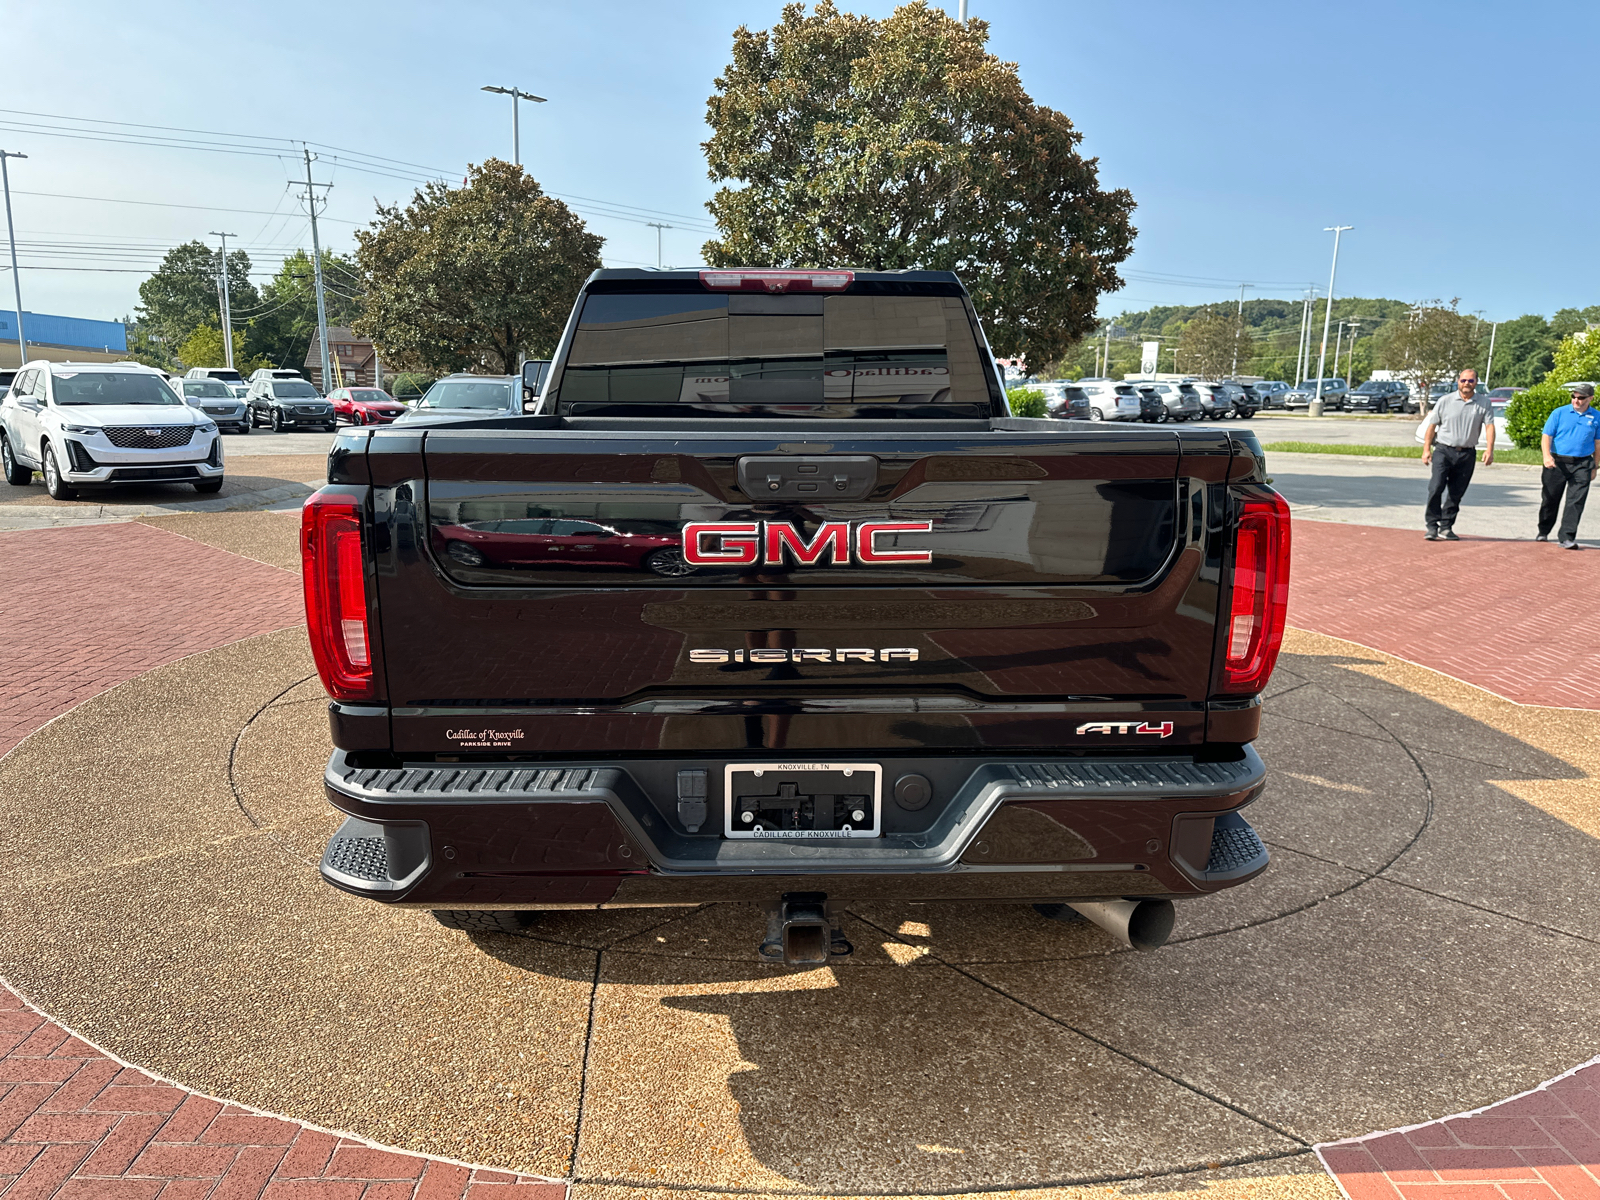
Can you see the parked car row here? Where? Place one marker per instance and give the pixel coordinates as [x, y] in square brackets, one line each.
[1109, 400]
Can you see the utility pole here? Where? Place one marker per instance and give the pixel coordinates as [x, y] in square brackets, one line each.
[1240, 331]
[222, 290]
[1489, 370]
[1327, 315]
[517, 96]
[11, 234]
[658, 227]
[316, 274]
[1305, 338]
[1350, 362]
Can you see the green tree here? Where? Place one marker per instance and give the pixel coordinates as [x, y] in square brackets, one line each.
[283, 327]
[145, 347]
[1210, 344]
[1524, 350]
[181, 295]
[471, 277]
[1577, 359]
[903, 143]
[1431, 345]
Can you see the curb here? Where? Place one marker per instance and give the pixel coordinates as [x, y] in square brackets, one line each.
[111, 512]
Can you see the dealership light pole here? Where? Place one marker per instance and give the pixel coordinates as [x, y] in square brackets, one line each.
[11, 235]
[517, 95]
[1327, 315]
[222, 288]
[1489, 370]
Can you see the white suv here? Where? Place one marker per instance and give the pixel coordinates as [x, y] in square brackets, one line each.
[1109, 401]
[83, 424]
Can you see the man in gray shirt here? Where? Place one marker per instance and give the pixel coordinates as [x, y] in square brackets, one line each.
[1450, 434]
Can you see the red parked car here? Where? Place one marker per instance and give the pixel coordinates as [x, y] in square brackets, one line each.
[558, 542]
[365, 406]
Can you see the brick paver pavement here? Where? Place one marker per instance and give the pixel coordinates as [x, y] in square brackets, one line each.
[78, 1124]
[1542, 1145]
[1503, 615]
[86, 609]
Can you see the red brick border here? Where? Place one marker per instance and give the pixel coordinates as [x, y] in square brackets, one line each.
[77, 1123]
[89, 608]
[1541, 1145]
[1495, 614]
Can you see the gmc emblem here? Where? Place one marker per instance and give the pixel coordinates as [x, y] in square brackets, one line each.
[775, 543]
[1162, 730]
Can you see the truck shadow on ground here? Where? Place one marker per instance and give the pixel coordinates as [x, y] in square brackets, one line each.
[1413, 952]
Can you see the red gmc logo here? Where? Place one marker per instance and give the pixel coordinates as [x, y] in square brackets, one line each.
[776, 543]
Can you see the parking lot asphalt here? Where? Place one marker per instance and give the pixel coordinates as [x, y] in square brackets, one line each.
[1407, 957]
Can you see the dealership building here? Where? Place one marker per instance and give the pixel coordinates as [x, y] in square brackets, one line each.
[62, 339]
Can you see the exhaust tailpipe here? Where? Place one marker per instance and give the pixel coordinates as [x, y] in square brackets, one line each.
[1137, 924]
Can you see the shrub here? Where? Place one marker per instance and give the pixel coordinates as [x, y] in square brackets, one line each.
[1525, 415]
[1026, 402]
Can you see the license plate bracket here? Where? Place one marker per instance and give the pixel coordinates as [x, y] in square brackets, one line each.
[794, 801]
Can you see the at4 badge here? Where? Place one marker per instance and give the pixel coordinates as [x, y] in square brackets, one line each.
[1164, 729]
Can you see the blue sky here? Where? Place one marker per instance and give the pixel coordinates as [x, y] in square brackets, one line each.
[1457, 138]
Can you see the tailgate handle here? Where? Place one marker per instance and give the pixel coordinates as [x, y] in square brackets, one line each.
[808, 477]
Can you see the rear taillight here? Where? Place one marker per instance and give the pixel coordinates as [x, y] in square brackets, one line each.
[336, 595]
[1259, 607]
[758, 279]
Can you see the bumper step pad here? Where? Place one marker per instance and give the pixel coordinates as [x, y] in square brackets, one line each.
[1236, 849]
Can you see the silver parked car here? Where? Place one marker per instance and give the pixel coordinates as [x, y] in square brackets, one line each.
[1110, 401]
[464, 396]
[216, 399]
[1181, 400]
[1271, 392]
[1334, 393]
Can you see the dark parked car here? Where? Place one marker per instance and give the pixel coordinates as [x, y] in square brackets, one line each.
[1224, 400]
[1182, 402]
[1380, 396]
[287, 404]
[1066, 402]
[931, 650]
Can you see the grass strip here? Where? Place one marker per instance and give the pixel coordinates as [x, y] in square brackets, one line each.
[1527, 458]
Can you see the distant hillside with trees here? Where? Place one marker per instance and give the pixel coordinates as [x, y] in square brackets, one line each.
[1524, 348]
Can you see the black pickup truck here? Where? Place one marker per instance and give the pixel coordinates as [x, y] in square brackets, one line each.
[772, 601]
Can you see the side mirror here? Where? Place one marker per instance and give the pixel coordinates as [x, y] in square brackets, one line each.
[533, 374]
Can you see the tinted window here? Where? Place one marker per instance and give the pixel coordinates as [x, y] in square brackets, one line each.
[369, 395]
[206, 389]
[112, 387]
[224, 373]
[294, 390]
[745, 353]
[468, 393]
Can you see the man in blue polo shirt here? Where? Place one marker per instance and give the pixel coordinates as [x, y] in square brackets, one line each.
[1571, 444]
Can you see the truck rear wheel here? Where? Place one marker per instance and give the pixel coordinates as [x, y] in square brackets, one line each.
[474, 921]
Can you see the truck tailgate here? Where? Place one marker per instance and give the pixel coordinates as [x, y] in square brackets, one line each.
[579, 590]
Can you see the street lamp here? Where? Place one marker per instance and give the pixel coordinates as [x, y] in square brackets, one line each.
[1240, 330]
[11, 234]
[516, 129]
[1327, 316]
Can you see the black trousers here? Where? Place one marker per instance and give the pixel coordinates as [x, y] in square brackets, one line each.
[1452, 471]
[1570, 475]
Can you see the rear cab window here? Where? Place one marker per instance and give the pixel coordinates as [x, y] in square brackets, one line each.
[671, 348]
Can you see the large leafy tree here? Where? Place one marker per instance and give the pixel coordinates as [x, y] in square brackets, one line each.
[1432, 344]
[181, 295]
[1211, 343]
[898, 143]
[470, 277]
